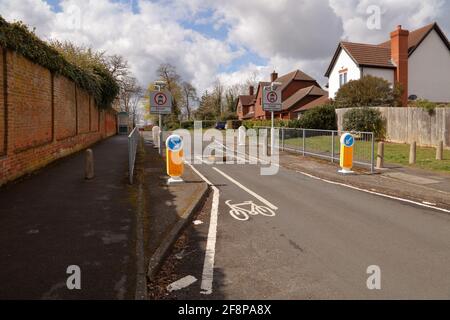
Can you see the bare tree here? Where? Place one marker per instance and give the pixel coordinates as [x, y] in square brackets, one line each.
[189, 96]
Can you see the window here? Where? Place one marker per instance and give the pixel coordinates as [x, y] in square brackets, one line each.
[342, 79]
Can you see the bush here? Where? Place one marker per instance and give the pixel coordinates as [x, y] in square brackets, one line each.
[368, 91]
[365, 119]
[321, 117]
[429, 106]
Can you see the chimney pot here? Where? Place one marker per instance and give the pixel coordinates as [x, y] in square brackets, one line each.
[251, 90]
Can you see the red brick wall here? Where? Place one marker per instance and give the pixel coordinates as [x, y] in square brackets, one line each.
[2, 106]
[65, 108]
[29, 103]
[83, 111]
[43, 113]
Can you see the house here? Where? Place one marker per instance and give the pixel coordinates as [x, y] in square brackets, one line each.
[419, 60]
[297, 89]
[246, 105]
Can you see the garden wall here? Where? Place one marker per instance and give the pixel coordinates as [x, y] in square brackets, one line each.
[43, 117]
[405, 125]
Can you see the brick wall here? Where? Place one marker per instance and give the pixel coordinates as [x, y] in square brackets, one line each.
[43, 117]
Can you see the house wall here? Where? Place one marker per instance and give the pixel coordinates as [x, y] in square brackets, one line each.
[405, 125]
[387, 74]
[259, 112]
[43, 117]
[344, 61]
[429, 70]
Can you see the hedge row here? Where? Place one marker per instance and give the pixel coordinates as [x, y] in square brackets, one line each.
[16, 36]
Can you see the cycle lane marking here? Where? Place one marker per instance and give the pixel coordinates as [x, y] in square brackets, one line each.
[254, 194]
[210, 252]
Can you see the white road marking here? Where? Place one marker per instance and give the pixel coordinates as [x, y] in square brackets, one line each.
[375, 193]
[422, 204]
[181, 284]
[210, 253]
[254, 194]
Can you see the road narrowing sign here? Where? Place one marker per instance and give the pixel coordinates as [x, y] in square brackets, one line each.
[272, 99]
[160, 102]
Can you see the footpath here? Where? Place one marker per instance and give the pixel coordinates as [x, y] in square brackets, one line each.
[55, 218]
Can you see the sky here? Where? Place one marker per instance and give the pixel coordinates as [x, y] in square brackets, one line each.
[229, 40]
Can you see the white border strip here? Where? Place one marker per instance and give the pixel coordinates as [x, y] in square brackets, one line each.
[375, 193]
[210, 252]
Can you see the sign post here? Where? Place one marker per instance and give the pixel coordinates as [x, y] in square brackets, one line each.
[272, 102]
[160, 103]
[346, 157]
[174, 158]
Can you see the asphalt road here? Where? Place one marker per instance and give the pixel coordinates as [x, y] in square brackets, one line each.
[318, 245]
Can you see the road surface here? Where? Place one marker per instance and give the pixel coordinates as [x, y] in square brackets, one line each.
[318, 245]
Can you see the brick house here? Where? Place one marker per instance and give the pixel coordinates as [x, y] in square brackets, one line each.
[246, 105]
[419, 60]
[298, 89]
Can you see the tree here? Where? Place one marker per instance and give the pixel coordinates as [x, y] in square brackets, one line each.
[369, 91]
[189, 95]
[168, 73]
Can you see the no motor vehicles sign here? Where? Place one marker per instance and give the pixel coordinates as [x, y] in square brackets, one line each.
[160, 102]
[271, 99]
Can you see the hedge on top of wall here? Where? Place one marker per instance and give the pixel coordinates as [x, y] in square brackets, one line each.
[16, 36]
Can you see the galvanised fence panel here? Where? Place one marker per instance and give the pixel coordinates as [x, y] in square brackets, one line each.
[325, 144]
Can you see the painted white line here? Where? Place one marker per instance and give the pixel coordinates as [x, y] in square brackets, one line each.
[254, 194]
[375, 193]
[181, 284]
[210, 253]
[424, 204]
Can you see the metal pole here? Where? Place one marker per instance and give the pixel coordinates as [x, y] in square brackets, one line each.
[332, 146]
[272, 139]
[160, 135]
[303, 142]
[372, 160]
[282, 138]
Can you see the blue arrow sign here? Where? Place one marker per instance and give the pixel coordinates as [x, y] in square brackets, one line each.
[349, 140]
[174, 143]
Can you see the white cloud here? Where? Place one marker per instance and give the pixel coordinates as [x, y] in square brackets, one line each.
[288, 34]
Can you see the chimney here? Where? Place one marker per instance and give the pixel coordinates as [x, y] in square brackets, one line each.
[399, 55]
[273, 76]
[251, 90]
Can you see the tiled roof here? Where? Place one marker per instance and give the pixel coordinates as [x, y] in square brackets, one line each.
[317, 102]
[247, 100]
[380, 55]
[249, 115]
[415, 37]
[371, 55]
[302, 93]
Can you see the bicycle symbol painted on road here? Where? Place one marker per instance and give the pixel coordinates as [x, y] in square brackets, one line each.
[243, 211]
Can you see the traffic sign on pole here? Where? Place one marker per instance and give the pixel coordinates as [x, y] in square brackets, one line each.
[346, 157]
[160, 102]
[271, 99]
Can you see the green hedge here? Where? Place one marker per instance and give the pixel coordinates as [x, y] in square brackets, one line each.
[365, 119]
[16, 36]
[321, 117]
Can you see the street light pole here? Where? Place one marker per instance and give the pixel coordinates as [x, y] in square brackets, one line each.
[158, 87]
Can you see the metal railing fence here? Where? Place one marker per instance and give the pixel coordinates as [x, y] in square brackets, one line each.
[133, 141]
[325, 144]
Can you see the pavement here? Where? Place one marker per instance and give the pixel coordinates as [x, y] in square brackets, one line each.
[167, 208]
[55, 218]
[293, 236]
